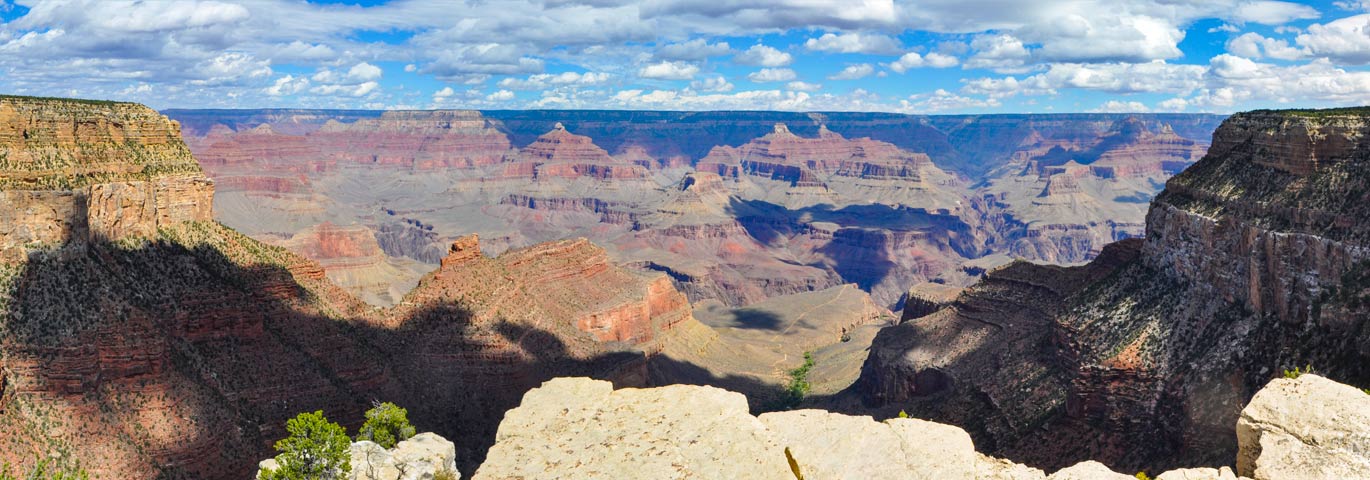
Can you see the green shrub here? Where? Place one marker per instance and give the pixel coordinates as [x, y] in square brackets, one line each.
[903, 414]
[1142, 476]
[1296, 372]
[445, 474]
[386, 424]
[316, 449]
[44, 470]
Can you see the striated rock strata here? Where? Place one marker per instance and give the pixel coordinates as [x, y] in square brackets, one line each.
[1254, 260]
[164, 345]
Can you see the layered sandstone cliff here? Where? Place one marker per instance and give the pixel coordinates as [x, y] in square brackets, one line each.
[141, 340]
[1253, 262]
[92, 170]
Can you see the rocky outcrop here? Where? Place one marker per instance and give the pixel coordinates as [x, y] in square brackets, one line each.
[672, 432]
[577, 427]
[1305, 428]
[420, 457]
[1250, 264]
[73, 169]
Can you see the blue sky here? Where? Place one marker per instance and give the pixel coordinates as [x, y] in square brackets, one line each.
[927, 56]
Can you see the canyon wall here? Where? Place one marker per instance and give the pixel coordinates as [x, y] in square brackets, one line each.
[87, 170]
[803, 201]
[160, 344]
[1253, 261]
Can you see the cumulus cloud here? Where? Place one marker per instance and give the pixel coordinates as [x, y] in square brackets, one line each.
[764, 56]
[772, 75]
[1345, 40]
[1272, 12]
[287, 85]
[444, 93]
[235, 53]
[544, 80]
[712, 84]
[1254, 45]
[998, 52]
[697, 49]
[347, 90]
[1115, 106]
[669, 71]
[500, 96]
[941, 100]
[853, 72]
[913, 60]
[854, 43]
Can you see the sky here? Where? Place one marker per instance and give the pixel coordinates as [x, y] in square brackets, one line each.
[917, 56]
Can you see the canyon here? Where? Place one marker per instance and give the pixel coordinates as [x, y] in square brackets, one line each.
[736, 207]
[1253, 261]
[140, 337]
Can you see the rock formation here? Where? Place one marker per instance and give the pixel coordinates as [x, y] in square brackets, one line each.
[140, 340]
[73, 170]
[1252, 262]
[803, 202]
[1305, 428]
[577, 427]
[419, 457]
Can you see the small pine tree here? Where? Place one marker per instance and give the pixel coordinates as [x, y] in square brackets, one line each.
[386, 424]
[316, 449]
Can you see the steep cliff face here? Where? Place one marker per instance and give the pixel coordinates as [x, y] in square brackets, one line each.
[166, 345]
[86, 170]
[1254, 260]
[1062, 198]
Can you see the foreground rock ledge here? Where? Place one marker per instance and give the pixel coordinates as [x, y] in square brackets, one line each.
[1309, 428]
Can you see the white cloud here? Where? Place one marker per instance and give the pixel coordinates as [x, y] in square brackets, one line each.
[764, 56]
[803, 86]
[544, 80]
[1115, 106]
[1007, 87]
[697, 49]
[363, 72]
[500, 96]
[669, 71]
[772, 75]
[1173, 105]
[1254, 45]
[1272, 13]
[346, 90]
[444, 93]
[287, 85]
[854, 43]
[853, 72]
[941, 100]
[712, 84]
[998, 52]
[913, 60]
[1345, 40]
